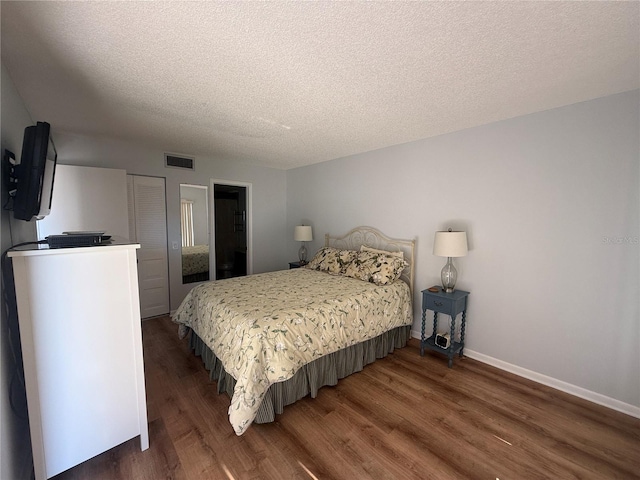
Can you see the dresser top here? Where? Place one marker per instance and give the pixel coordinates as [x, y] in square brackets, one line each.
[45, 250]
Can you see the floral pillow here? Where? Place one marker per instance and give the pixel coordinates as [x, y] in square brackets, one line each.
[332, 260]
[375, 267]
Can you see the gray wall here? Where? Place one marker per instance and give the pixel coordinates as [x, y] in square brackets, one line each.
[268, 190]
[15, 451]
[550, 202]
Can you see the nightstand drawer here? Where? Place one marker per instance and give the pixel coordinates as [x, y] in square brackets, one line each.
[437, 304]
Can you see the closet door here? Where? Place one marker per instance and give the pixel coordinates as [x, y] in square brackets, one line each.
[148, 227]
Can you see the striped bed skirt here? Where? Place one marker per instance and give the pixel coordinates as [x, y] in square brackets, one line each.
[326, 370]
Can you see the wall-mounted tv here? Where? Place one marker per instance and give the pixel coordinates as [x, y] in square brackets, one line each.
[35, 173]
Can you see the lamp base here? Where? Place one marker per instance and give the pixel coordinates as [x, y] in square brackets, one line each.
[449, 276]
[302, 254]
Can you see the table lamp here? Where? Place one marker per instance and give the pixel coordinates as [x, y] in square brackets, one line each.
[302, 233]
[450, 244]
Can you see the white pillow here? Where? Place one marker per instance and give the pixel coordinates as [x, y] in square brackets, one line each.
[365, 248]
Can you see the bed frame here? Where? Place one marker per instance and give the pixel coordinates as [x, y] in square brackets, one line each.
[326, 370]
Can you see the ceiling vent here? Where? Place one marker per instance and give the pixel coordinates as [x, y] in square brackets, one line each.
[179, 161]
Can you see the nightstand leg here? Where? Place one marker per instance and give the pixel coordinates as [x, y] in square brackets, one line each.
[464, 322]
[451, 341]
[435, 323]
[424, 318]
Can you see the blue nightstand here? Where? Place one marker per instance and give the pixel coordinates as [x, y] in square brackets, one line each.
[450, 304]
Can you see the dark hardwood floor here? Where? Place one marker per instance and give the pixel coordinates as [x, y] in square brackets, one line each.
[404, 416]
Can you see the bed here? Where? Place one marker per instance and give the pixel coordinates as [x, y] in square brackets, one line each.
[270, 339]
[195, 263]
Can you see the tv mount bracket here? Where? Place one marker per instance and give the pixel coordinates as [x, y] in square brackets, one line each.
[9, 173]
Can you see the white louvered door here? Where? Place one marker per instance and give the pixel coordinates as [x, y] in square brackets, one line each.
[148, 227]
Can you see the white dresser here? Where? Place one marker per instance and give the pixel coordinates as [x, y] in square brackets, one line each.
[80, 329]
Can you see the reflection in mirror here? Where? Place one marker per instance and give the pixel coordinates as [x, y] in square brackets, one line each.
[194, 229]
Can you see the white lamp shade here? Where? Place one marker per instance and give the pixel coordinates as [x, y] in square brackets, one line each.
[303, 233]
[450, 244]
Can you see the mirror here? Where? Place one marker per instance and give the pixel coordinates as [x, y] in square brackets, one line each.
[194, 230]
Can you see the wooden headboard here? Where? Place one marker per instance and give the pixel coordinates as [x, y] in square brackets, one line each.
[373, 237]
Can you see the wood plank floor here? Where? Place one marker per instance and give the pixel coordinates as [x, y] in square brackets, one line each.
[403, 417]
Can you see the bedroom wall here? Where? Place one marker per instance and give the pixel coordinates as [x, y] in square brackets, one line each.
[268, 189]
[550, 202]
[15, 443]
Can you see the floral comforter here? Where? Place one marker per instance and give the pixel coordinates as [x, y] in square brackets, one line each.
[264, 327]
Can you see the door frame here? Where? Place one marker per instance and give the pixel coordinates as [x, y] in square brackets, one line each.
[212, 223]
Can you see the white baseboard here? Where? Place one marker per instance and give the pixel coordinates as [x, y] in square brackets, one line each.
[159, 316]
[594, 397]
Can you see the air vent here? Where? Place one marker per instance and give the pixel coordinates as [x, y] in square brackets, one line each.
[179, 162]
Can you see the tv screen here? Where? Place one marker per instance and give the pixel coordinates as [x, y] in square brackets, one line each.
[35, 173]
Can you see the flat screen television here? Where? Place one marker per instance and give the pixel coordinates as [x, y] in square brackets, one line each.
[35, 173]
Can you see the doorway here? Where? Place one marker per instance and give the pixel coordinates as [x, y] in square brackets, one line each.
[231, 229]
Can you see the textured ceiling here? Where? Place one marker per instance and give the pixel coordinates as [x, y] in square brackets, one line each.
[285, 84]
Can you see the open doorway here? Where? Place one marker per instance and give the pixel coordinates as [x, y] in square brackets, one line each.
[231, 226]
